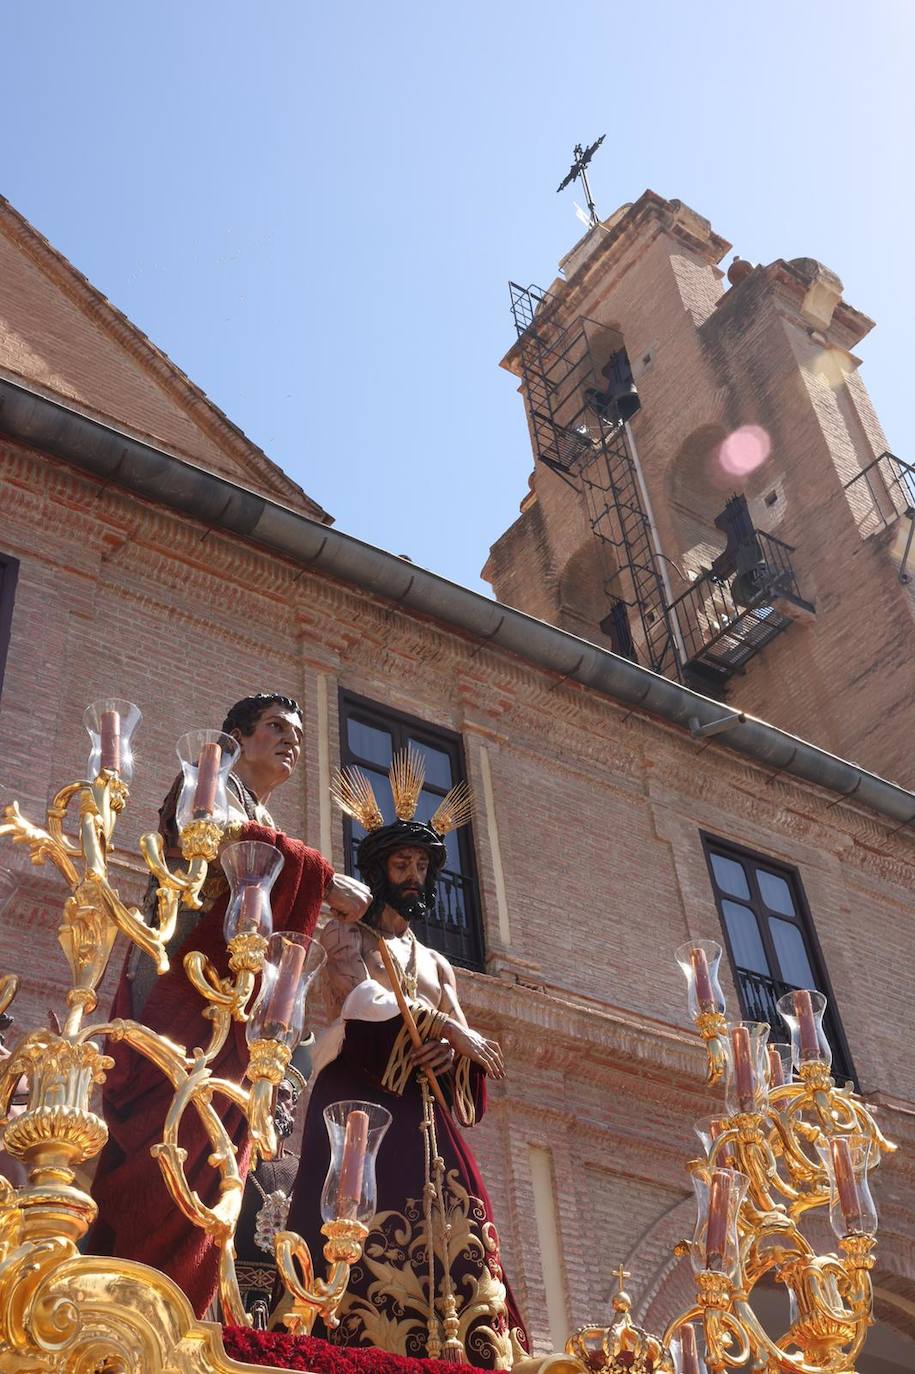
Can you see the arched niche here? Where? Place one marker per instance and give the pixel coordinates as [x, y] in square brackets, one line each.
[588, 585]
[696, 491]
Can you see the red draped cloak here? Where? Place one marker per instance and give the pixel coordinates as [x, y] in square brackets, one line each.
[137, 1217]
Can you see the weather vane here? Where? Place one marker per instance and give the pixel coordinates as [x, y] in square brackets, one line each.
[578, 169]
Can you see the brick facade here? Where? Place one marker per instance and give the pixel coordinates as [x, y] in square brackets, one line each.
[773, 350]
[589, 856]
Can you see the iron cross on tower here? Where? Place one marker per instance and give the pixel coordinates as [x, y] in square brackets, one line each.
[578, 169]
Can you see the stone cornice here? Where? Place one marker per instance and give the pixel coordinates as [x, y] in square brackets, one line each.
[554, 1030]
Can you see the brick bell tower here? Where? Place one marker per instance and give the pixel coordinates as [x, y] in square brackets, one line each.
[712, 494]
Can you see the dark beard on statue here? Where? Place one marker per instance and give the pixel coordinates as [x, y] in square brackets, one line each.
[406, 901]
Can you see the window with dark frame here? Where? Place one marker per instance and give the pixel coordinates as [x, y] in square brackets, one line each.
[770, 939]
[370, 735]
[9, 574]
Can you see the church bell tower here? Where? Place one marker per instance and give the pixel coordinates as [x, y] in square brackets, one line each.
[712, 494]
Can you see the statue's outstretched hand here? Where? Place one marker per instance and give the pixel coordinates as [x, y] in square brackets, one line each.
[486, 1053]
[347, 897]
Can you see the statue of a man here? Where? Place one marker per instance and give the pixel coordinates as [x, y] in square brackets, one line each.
[137, 1218]
[414, 1274]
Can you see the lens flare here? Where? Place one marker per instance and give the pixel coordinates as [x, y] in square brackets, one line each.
[743, 451]
[832, 366]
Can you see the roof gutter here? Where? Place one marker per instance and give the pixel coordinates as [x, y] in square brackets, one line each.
[115, 457]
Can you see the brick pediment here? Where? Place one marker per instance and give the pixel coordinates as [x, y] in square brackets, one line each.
[59, 334]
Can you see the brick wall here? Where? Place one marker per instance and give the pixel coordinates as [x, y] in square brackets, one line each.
[597, 811]
[719, 357]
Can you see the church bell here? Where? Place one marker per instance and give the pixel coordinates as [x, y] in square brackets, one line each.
[618, 400]
[621, 389]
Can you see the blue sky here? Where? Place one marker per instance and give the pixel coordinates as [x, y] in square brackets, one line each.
[315, 209]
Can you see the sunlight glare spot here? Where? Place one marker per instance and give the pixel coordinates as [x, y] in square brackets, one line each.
[743, 451]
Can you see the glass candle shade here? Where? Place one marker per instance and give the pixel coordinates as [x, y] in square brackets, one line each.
[355, 1130]
[719, 1193]
[111, 724]
[802, 1012]
[252, 867]
[685, 1350]
[206, 758]
[851, 1206]
[747, 1083]
[291, 964]
[699, 960]
[778, 1059]
[708, 1129]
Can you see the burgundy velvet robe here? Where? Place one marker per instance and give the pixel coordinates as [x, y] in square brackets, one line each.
[137, 1217]
[387, 1298]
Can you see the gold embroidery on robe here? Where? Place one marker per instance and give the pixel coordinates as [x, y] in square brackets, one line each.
[392, 1310]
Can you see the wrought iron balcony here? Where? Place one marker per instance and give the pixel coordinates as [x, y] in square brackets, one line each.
[454, 927]
[881, 494]
[726, 617]
[758, 995]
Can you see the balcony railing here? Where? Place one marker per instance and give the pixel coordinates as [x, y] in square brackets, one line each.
[724, 621]
[881, 494]
[454, 927]
[758, 995]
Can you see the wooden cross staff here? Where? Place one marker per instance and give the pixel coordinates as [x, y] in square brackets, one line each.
[406, 1013]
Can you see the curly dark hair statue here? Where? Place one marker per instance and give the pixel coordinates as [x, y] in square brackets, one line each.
[371, 860]
[245, 714]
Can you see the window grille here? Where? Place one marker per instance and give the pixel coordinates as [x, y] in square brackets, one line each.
[770, 939]
[370, 735]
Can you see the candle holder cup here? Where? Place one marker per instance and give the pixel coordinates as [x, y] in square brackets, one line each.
[206, 758]
[779, 1063]
[699, 960]
[719, 1195]
[291, 964]
[356, 1130]
[252, 867]
[851, 1206]
[685, 1351]
[110, 724]
[747, 1077]
[348, 1204]
[802, 1012]
[710, 1129]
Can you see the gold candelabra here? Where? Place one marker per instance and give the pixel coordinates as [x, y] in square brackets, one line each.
[787, 1141]
[60, 1310]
